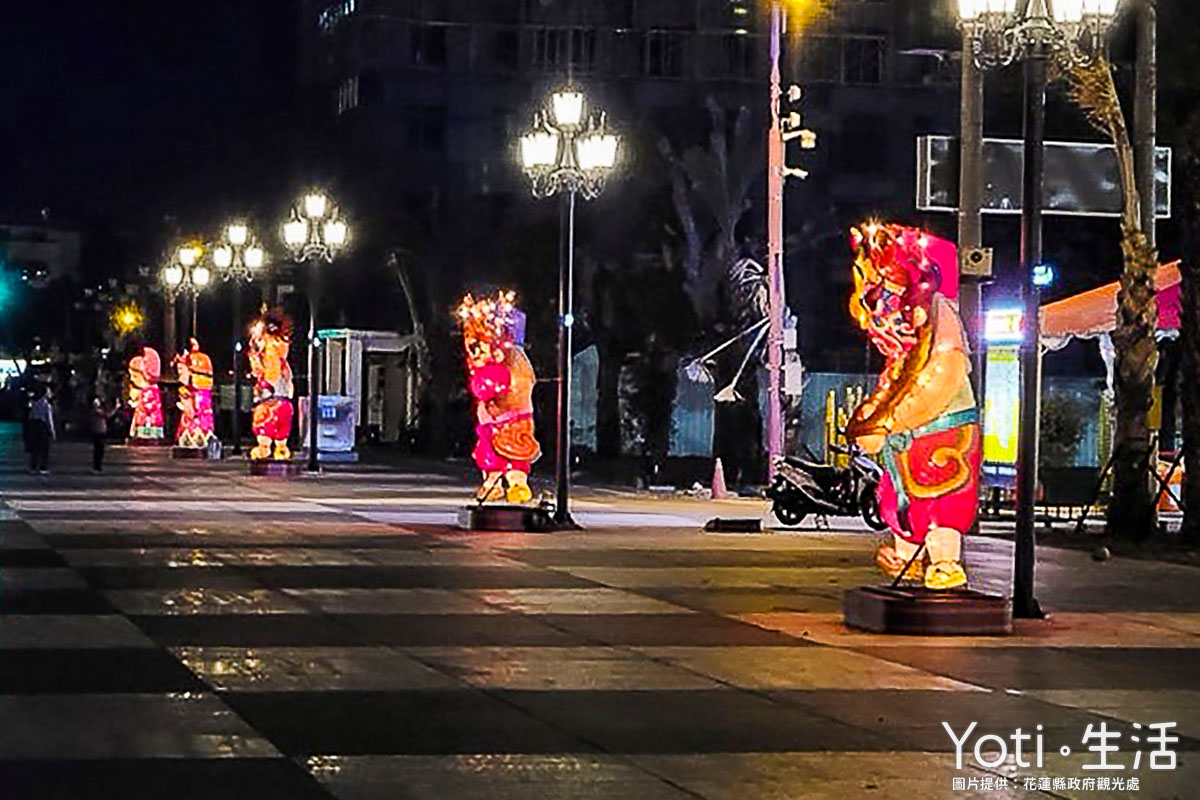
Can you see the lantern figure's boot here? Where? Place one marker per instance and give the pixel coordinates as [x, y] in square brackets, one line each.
[282, 452]
[264, 448]
[492, 488]
[518, 487]
[945, 557]
[891, 559]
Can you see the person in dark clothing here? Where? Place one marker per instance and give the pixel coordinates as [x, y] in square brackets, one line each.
[41, 432]
[98, 427]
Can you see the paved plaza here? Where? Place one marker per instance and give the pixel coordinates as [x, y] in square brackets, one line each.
[180, 630]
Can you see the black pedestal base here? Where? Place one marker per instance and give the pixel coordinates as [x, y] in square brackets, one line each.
[270, 468]
[923, 612]
[198, 453]
[505, 518]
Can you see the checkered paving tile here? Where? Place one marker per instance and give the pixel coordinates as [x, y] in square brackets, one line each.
[295, 645]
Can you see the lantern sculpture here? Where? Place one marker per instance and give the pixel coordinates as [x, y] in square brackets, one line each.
[271, 422]
[922, 418]
[501, 381]
[145, 398]
[195, 372]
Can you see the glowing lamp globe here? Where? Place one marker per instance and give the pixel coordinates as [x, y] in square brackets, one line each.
[200, 277]
[223, 257]
[238, 234]
[188, 256]
[597, 151]
[315, 206]
[295, 233]
[974, 9]
[539, 149]
[567, 108]
[335, 233]
[173, 276]
[254, 257]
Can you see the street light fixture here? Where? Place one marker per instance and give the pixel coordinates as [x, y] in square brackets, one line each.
[1000, 33]
[567, 153]
[186, 274]
[314, 234]
[238, 259]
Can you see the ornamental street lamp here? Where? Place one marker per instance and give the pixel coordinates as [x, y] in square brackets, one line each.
[568, 153]
[238, 259]
[185, 274]
[1000, 33]
[314, 234]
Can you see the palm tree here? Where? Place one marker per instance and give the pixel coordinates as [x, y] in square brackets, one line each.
[1131, 513]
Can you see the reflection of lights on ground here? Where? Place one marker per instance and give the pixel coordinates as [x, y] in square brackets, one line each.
[324, 765]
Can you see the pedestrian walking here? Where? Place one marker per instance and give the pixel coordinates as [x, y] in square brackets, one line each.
[41, 432]
[98, 419]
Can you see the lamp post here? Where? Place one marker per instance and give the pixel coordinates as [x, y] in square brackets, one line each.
[187, 274]
[314, 234]
[172, 279]
[568, 153]
[238, 259]
[1035, 32]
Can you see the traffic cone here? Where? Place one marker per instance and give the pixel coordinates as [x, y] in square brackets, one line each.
[719, 492]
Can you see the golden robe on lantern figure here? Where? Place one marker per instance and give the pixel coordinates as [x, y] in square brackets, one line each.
[272, 418]
[501, 381]
[922, 418]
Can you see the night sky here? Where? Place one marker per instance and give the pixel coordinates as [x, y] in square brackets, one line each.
[123, 113]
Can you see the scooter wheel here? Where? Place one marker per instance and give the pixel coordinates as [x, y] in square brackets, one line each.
[788, 514]
[870, 512]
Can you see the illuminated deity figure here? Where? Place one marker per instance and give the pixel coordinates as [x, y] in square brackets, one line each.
[145, 398]
[195, 397]
[272, 420]
[922, 418]
[502, 383]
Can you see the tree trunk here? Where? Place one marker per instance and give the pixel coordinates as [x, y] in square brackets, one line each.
[1131, 512]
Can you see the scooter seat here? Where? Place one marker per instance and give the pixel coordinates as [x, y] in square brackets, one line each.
[814, 468]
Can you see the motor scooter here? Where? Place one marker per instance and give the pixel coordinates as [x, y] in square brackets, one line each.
[802, 487]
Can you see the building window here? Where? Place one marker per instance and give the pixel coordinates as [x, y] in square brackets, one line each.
[347, 95]
[664, 54]
[547, 51]
[332, 14]
[741, 55]
[582, 56]
[862, 59]
[820, 59]
[428, 46]
[426, 129]
[555, 48]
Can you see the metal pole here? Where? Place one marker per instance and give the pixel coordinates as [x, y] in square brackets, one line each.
[970, 219]
[1145, 112]
[562, 455]
[775, 166]
[1025, 605]
[194, 297]
[237, 366]
[170, 326]
[314, 462]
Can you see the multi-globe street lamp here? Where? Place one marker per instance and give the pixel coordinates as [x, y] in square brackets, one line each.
[185, 274]
[568, 153]
[314, 234]
[238, 259]
[1036, 32]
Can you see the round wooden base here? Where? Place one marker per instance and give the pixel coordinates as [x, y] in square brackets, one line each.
[923, 612]
[272, 468]
[504, 518]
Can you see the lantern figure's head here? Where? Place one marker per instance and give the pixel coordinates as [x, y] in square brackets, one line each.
[897, 273]
[490, 328]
